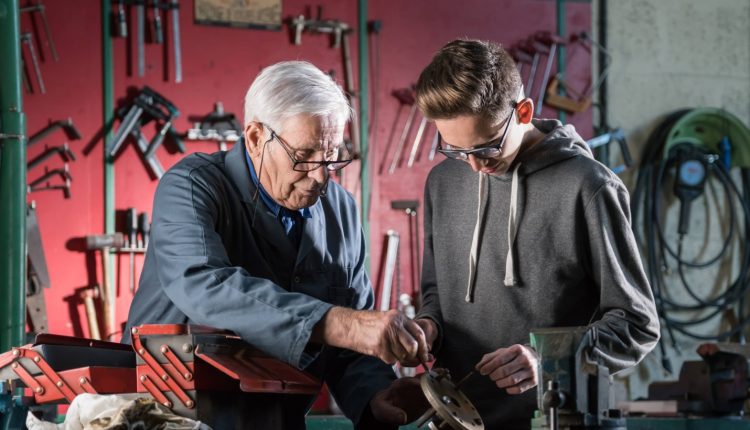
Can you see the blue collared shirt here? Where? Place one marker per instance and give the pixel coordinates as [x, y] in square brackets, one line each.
[290, 219]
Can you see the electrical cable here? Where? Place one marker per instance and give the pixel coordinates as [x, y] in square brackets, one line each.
[649, 192]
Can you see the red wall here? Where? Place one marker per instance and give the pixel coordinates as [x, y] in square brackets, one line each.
[218, 65]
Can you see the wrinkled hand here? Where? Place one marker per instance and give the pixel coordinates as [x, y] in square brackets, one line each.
[430, 333]
[401, 403]
[513, 368]
[389, 336]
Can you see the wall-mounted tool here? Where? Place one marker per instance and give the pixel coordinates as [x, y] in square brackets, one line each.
[39, 9]
[66, 125]
[131, 232]
[405, 96]
[217, 126]
[618, 137]
[157, 35]
[577, 101]
[140, 34]
[550, 43]
[105, 243]
[35, 185]
[147, 106]
[64, 151]
[28, 40]
[340, 32]
[410, 209]
[691, 178]
[88, 296]
[417, 141]
[120, 24]
[144, 230]
[390, 270]
[37, 278]
[176, 46]
[528, 48]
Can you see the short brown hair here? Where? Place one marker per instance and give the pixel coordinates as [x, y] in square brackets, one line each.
[469, 77]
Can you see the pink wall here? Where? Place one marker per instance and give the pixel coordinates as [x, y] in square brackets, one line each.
[218, 65]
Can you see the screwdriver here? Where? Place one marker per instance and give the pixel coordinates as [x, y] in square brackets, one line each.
[144, 228]
[131, 228]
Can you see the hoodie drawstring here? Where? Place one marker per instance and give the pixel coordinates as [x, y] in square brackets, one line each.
[510, 270]
[476, 239]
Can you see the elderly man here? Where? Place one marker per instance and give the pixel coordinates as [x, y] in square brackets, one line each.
[259, 241]
[523, 229]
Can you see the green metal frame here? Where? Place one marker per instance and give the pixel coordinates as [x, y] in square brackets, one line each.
[12, 182]
[108, 117]
[364, 125]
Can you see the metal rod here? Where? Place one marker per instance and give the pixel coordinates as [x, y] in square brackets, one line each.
[29, 41]
[402, 139]
[176, 41]
[12, 183]
[417, 141]
[140, 34]
[108, 113]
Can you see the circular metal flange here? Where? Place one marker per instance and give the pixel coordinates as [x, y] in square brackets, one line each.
[450, 407]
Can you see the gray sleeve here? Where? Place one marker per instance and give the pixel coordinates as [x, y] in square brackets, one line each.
[629, 325]
[196, 274]
[430, 298]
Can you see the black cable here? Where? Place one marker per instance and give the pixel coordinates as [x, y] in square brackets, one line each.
[649, 192]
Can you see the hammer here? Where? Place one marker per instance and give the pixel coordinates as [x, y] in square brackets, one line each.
[105, 242]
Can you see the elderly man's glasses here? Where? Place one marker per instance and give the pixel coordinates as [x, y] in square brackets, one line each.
[491, 149]
[331, 157]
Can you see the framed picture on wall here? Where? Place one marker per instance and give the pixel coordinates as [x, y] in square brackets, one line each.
[261, 14]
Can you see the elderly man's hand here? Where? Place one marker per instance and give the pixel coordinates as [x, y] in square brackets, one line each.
[390, 336]
[401, 403]
[513, 368]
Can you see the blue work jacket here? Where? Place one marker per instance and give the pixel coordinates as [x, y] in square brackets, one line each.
[220, 258]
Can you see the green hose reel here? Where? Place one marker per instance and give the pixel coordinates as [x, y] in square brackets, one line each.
[706, 127]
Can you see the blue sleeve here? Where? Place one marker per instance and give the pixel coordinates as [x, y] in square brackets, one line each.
[196, 274]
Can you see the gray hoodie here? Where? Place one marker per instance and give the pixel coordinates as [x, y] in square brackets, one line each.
[573, 260]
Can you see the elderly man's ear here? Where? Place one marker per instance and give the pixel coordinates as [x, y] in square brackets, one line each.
[525, 110]
[254, 138]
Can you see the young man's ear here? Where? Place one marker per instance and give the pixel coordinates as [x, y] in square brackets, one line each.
[254, 138]
[525, 110]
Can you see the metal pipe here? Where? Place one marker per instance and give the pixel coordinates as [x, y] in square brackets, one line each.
[12, 183]
[108, 114]
[364, 91]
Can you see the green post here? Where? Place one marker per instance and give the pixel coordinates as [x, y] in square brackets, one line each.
[363, 123]
[108, 116]
[12, 183]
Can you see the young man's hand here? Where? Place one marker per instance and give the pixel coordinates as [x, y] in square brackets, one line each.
[389, 336]
[401, 403]
[513, 368]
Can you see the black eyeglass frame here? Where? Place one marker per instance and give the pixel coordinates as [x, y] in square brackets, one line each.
[302, 166]
[484, 151]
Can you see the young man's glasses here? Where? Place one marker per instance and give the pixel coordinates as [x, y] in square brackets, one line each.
[331, 161]
[491, 149]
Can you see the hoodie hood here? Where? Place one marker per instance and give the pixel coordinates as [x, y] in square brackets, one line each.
[561, 142]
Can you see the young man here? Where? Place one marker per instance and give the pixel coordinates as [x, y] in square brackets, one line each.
[523, 229]
[257, 240]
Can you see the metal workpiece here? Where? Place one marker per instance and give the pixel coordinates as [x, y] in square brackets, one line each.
[451, 409]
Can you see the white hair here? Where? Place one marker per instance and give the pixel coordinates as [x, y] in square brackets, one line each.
[290, 88]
